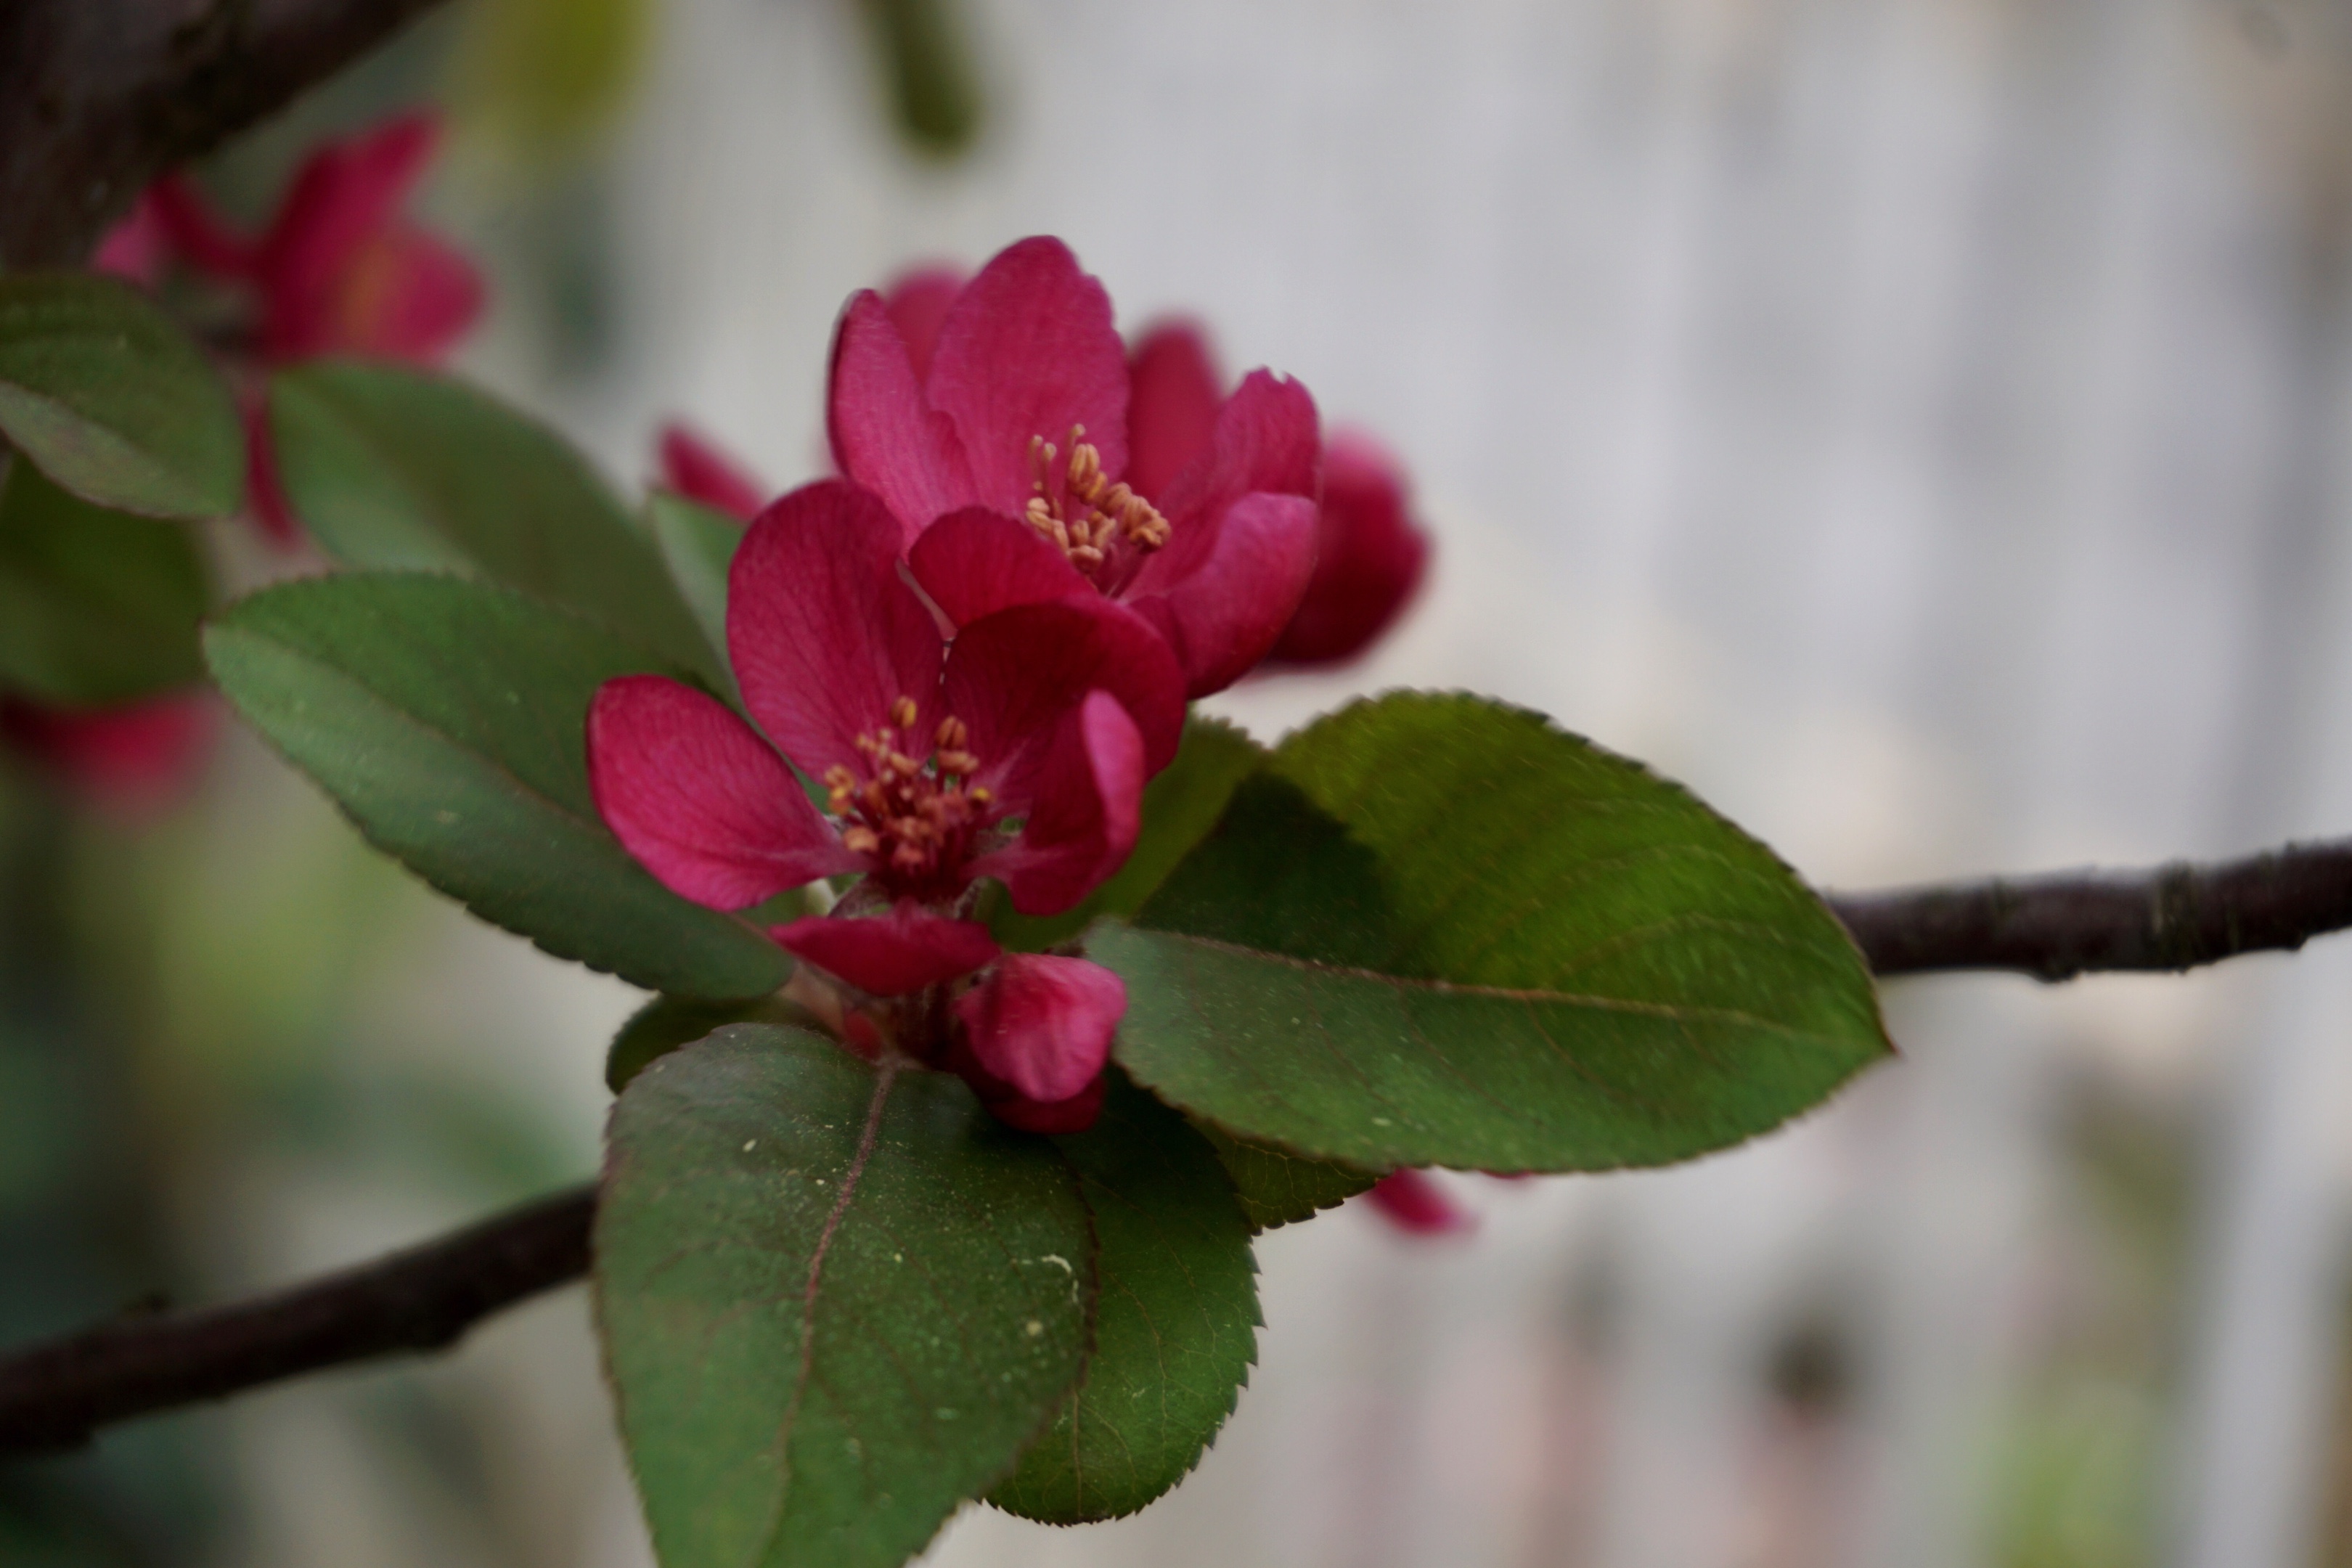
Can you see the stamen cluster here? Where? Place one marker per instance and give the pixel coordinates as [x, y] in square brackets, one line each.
[1100, 511]
[914, 818]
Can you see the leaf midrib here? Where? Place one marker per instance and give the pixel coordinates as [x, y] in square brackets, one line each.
[1500, 993]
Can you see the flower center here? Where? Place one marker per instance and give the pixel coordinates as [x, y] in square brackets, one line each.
[1092, 515]
[915, 819]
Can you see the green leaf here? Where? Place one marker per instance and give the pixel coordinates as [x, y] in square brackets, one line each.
[1277, 1187]
[445, 717]
[1436, 931]
[697, 544]
[667, 1023]
[112, 401]
[397, 468]
[1175, 1335]
[96, 607]
[1180, 806]
[834, 1303]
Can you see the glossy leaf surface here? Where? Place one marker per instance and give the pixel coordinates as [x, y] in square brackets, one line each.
[1277, 1188]
[1435, 930]
[446, 717]
[97, 607]
[833, 1305]
[667, 1023]
[112, 401]
[1176, 1333]
[396, 468]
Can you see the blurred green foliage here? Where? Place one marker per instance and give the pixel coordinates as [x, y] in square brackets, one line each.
[927, 72]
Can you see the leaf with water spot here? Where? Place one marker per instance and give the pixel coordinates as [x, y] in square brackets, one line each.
[833, 1304]
[1176, 1333]
[1435, 930]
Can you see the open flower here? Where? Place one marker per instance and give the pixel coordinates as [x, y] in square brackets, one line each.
[1015, 432]
[340, 268]
[1370, 553]
[1017, 751]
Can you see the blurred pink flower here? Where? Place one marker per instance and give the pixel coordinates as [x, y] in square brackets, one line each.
[695, 468]
[1417, 1205]
[340, 269]
[133, 759]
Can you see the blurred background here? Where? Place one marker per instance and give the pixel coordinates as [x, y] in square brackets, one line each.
[1918, 424]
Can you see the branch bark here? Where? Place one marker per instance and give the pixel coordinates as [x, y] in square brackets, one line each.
[2176, 917]
[98, 97]
[55, 1395]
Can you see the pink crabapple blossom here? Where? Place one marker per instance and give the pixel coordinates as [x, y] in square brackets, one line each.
[1016, 748]
[1009, 430]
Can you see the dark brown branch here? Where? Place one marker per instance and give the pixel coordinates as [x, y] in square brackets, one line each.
[98, 97]
[2178, 916]
[55, 1395]
[2175, 917]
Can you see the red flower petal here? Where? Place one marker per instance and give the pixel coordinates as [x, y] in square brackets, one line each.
[344, 195]
[918, 302]
[1242, 591]
[1171, 403]
[976, 561]
[1266, 439]
[134, 758]
[406, 295]
[884, 435]
[264, 493]
[1075, 1114]
[890, 955]
[824, 633]
[702, 800]
[701, 472]
[1014, 675]
[1044, 1024]
[197, 235]
[1417, 1205]
[1087, 805]
[137, 247]
[1029, 350]
[1368, 561]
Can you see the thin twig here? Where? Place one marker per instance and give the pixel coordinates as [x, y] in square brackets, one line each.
[55, 1395]
[2175, 917]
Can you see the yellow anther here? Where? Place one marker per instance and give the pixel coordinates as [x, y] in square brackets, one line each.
[1085, 466]
[905, 766]
[953, 762]
[861, 840]
[952, 734]
[902, 712]
[1085, 557]
[982, 795]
